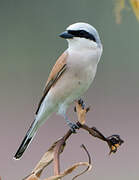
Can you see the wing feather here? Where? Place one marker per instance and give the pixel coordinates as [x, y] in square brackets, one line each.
[57, 71]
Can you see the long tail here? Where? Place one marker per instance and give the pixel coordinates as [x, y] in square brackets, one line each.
[27, 139]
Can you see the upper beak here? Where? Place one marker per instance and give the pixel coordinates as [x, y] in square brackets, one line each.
[66, 35]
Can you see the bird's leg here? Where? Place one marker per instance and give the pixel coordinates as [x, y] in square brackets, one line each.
[73, 126]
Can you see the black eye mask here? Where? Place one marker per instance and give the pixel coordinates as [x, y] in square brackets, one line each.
[82, 34]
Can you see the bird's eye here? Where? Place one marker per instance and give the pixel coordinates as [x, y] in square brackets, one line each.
[82, 33]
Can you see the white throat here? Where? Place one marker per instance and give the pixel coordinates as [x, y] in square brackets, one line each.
[85, 49]
[81, 54]
[81, 43]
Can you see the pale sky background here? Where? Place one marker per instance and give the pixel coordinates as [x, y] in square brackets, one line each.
[29, 46]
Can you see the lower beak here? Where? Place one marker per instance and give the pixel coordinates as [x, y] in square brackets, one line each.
[66, 35]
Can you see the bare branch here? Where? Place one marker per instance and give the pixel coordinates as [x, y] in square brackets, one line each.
[53, 153]
[89, 161]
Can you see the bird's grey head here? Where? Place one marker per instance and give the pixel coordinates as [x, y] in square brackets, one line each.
[82, 34]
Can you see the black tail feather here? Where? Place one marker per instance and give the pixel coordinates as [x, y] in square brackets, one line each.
[27, 139]
[23, 147]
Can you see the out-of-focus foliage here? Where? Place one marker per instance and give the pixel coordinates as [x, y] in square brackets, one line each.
[120, 6]
[135, 6]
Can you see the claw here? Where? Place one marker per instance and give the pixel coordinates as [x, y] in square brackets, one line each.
[73, 127]
[81, 102]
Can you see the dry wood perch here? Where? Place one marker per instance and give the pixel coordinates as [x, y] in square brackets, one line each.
[54, 151]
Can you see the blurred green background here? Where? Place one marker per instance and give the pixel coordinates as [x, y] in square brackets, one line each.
[29, 46]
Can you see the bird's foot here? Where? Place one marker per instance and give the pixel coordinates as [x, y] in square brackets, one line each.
[73, 127]
[80, 102]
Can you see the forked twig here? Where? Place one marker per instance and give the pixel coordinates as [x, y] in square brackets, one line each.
[53, 154]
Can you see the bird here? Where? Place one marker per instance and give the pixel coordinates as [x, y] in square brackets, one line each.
[70, 77]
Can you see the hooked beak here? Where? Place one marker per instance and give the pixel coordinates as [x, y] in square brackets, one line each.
[66, 35]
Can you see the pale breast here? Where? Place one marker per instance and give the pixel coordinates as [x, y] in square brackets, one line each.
[75, 80]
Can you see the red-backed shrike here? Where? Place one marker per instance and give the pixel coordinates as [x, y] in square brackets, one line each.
[70, 77]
